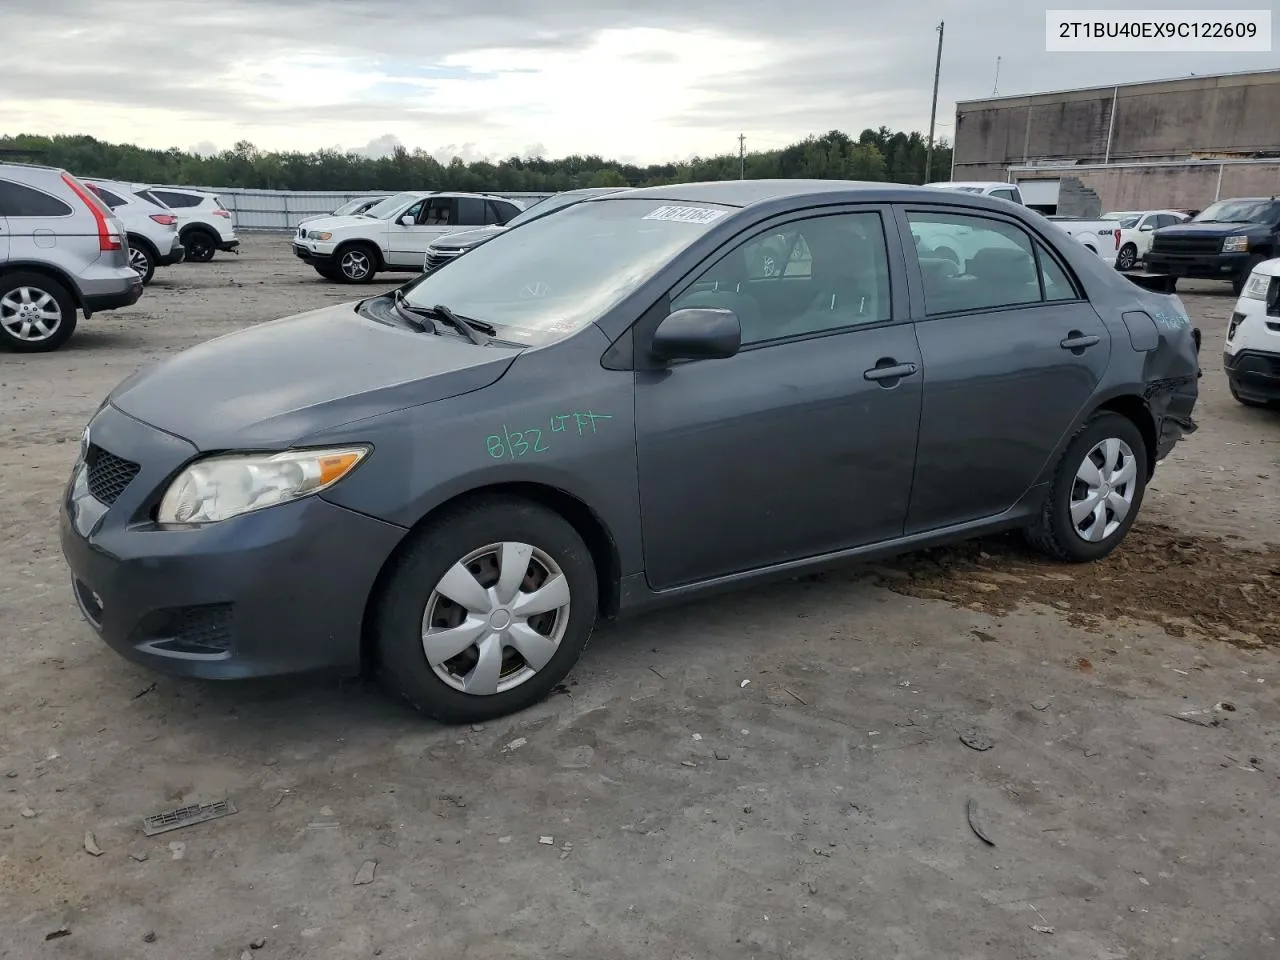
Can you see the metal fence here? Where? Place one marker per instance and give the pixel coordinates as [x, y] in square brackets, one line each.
[280, 210]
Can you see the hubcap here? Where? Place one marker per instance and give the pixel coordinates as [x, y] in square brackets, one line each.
[1102, 493]
[496, 618]
[355, 265]
[139, 261]
[30, 314]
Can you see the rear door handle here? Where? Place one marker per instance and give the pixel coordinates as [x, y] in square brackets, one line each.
[889, 370]
[1078, 341]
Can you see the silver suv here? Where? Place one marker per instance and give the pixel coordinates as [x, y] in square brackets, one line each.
[61, 250]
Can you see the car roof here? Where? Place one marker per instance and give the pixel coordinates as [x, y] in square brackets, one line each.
[944, 184]
[747, 193]
[29, 166]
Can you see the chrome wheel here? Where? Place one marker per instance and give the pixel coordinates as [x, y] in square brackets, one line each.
[1128, 257]
[1103, 490]
[139, 260]
[496, 618]
[30, 314]
[355, 265]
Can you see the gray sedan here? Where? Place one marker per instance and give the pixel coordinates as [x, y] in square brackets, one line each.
[614, 408]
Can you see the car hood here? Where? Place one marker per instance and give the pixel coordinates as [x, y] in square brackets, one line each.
[270, 385]
[467, 239]
[1209, 229]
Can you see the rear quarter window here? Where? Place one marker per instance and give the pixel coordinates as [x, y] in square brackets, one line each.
[177, 200]
[18, 200]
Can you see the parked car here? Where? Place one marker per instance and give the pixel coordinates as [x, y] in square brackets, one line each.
[453, 245]
[454, 479]
[352, 208]
[1225, 241]
[152, 230]
[393, 235]
[1100, 236]
[204, 224]
[983, 188]
[1251, 356]
[1136, 230]
[61, 250]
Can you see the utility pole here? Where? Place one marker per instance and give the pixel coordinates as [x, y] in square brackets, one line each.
[742, 156]
[933, 110]
[995, 90]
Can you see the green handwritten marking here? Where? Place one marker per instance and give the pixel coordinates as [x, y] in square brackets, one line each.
[514, 444]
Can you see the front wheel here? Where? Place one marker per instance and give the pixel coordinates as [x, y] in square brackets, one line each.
[1127, 257]
[1096, 492]
[486, 611]
[356, 264]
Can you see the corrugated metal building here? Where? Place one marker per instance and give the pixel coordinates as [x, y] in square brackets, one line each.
[1167, 143]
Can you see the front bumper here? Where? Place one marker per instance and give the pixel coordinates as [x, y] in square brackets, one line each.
[1254, 374]
[1201, 266]
[278, 591]
[98, 302]
[320, 259]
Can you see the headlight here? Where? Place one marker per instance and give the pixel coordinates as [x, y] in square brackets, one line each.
[1256, 287]
[1235, 245]
[320, 235]
[217, 488]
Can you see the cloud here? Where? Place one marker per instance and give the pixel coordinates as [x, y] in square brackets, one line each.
[490, 77]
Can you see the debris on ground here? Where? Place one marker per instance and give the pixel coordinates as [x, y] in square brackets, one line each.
[722, 754]
[186, 816]
[547, 841]
[1085, 665]
[149, 937]
[976, 740]
[1197, 717]
[799, 699]
[178, 849]
[1041, 929]
[144, 691]
[91, 844]
[28, 813]
[687, 763]
[366, 873]
[139, 856]
[1162, 576]
[515, 744]
[56, 934]
[971, 811]
[257, 943]
[1040, 705]
[279, 799]
[744, 683]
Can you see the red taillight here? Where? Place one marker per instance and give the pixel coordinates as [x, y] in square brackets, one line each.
[1117, 233]
[222, 213]
[168, 219]
[107, 238]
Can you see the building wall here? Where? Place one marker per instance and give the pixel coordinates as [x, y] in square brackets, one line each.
[1156, 186]
[1237, 114]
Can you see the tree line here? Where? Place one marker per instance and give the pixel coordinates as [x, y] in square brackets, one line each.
[880, 155]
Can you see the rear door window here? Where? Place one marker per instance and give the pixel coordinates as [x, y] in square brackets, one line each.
[438, 212]
[18, 200]
[177, 200]
[471, 212]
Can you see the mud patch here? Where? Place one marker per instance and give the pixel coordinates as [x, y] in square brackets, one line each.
[1188, 585]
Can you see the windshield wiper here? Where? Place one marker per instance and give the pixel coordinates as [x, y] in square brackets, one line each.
[418, 318]
[477, 331]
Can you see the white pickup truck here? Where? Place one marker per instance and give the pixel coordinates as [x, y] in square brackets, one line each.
[1136, 230]
[1100, 236]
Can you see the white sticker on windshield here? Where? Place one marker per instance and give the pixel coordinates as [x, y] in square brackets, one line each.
[685, 214]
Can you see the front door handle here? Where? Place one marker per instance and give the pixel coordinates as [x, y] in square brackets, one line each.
[1077, 342]
[889, 369]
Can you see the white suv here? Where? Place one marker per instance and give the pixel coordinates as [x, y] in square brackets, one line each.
[1251, 355]
[152, 230]
[204, 224]
[394, 235]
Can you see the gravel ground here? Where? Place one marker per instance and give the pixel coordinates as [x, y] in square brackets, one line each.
[821, 810]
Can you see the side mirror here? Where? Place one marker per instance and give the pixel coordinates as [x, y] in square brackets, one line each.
[698, 333]
[405, 221]
[1147, 227]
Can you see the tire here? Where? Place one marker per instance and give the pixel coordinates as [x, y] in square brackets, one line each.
[37, 314]
[325, 272]
[200, 244]
[356, 263]
[1055, 533]
[142, 257]
[1127, 257]
[1238, 281]
[478, 534]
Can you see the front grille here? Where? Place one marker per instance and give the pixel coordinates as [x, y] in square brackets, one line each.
[438, 258]
[108, 474]
[1187, 246]
[201, 631]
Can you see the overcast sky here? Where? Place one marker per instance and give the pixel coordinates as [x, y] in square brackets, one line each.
[643, 80]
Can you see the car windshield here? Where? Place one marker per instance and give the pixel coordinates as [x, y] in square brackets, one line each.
[1238, 211]
[1126, 223]
[557, 274]
[387, 208]
[351, 206]
[543, 207]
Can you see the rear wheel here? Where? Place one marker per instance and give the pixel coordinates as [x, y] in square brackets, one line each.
[486, 611]
[37, 313]
[142, 258]
[1096, 492]
[356, 263]
[1127, 257]
[200, 244]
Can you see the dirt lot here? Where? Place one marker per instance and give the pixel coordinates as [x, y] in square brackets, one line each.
[1132, 788]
